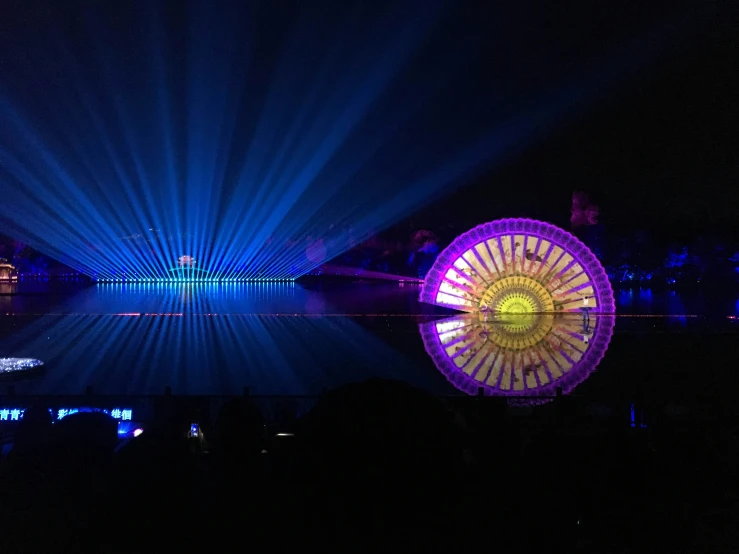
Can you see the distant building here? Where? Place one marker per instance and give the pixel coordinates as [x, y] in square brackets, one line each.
[186, 261]
[7, 271]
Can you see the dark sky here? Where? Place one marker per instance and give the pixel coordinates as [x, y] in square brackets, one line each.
[658, 153]
[655, 148]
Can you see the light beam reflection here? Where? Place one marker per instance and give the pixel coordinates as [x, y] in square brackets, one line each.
[191, 337]
[511, 355]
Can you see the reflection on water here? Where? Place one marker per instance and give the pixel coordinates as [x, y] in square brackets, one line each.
[276, 338]
[527, 355]
[75, 297]
[291, 339]
[204, 354]
[213, 298]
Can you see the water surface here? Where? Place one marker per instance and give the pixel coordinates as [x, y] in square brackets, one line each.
[290, 339]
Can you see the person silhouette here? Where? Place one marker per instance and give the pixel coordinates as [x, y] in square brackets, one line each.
[585, 311]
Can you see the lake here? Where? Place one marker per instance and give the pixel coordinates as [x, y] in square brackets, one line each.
[291, 339]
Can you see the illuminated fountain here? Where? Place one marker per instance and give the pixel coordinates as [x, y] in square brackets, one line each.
[528, 289]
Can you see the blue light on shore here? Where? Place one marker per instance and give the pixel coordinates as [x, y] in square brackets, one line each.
[195, 280]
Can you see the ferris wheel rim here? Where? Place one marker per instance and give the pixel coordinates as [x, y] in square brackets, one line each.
[540, 230]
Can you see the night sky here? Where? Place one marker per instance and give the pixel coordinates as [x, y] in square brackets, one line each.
[640, 98]
[658, 153]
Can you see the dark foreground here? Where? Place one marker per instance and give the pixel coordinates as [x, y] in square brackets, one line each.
[378, 466]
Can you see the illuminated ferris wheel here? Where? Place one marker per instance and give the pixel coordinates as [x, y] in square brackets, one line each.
[529, 289]
[518, 266]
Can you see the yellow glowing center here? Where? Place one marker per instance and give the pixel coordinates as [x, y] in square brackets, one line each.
[517, 295]
[517, 303]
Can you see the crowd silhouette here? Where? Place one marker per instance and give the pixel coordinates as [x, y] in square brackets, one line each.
[374, 466]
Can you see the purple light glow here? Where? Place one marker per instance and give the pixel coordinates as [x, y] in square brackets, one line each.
[518, 266]
[515, 356]
[336, 270]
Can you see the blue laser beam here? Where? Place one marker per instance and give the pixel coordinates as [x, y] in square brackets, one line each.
[262, 155]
